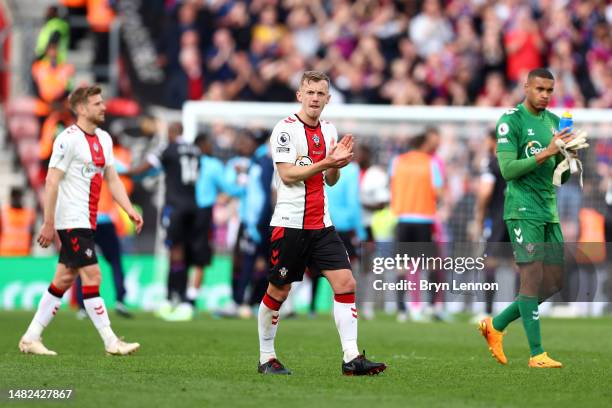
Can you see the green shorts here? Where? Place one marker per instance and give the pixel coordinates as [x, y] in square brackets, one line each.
[534, 241]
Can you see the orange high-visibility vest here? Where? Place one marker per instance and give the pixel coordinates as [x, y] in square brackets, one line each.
[52, 81]
[50, 130]
[16, 234]
[592, 241]
[99, 15]
[412, 190]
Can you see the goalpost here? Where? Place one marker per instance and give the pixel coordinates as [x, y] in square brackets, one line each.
[373, 120]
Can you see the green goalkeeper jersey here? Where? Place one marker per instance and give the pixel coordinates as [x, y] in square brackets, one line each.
[532, 196]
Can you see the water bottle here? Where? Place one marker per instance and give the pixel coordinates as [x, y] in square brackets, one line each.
[566, 121]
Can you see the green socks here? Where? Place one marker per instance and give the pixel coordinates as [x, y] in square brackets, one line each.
[507, 316]
[528, 307]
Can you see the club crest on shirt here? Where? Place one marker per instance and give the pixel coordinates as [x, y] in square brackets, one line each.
[283, 272]
[316, 140]
[88, 252]
[96, 148]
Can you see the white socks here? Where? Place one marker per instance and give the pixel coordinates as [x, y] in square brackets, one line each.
[47, 308]
[345, 315]
[96, 310]
[267, 324]
[192, 293]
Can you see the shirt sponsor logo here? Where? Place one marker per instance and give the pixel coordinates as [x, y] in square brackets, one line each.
[303, 161]
[503, 129]
[283, 139]
[282, 150]
[317, 152]
[90, 170]
[534, 147]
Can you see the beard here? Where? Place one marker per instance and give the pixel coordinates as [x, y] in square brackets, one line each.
[97, 119]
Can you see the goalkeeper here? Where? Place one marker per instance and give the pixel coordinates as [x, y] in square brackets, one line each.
[529, 150]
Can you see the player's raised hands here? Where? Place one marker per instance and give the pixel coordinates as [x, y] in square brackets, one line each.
[347, 140]
[339, 155]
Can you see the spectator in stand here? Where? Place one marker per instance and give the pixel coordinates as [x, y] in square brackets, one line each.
[448, 52]
[494, 92]
[54, 24]
[219, 55]
[305, 33]
[238, 21]
[430, 30]
[400, 89]
[268, 30]
[186, 82]
[524, 45]
[52, 78]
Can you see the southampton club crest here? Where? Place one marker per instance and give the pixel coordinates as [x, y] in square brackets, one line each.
[89, 252]
[316, 140]
[283, 272]
[96, 148]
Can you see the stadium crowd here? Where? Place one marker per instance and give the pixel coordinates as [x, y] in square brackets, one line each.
[455, 52]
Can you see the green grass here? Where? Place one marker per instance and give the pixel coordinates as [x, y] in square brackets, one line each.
[210, 361]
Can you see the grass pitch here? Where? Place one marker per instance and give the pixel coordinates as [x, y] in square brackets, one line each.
[210, 362]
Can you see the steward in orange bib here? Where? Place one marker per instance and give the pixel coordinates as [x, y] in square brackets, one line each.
[16, 226]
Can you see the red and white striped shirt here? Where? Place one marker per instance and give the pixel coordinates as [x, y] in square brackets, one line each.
[83, 158]
[303, 204]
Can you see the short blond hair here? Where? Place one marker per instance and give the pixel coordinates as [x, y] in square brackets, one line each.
[315, 76]
[81, 95]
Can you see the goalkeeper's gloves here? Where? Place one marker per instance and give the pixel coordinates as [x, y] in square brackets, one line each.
[569, 150]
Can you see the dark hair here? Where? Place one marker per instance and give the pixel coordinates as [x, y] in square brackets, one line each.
[540, 73]
[16, 193]
[202, 137]
[82, 94]
[417, 141]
